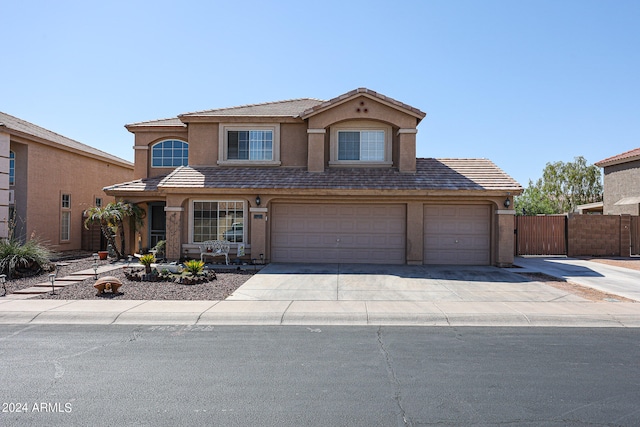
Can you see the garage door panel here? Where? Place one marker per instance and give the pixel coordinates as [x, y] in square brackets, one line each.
[339, 233]
[457, 234]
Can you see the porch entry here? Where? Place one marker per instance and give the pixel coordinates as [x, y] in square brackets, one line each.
[157, 223]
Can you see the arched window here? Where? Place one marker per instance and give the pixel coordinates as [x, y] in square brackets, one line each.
[169, 153]
[12, 168]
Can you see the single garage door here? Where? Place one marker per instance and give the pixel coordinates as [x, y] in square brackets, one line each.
[338, 233]
[457, 234]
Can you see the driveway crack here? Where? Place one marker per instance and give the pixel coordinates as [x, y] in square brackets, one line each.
[397, 391]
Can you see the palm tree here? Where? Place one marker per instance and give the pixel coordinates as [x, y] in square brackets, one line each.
[111, 219]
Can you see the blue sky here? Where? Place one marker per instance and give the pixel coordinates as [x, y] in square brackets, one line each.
[519, 82]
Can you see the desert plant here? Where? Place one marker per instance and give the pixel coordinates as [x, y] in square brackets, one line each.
[19, 259]
[111, 219]
[194, 266]
[160, 248]
[147, 260]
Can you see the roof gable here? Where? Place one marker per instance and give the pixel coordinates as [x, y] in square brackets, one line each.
[317, 109]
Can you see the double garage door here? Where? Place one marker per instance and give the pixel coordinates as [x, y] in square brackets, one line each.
[337, 233]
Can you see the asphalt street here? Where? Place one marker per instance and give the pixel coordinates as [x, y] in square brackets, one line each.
[317, 376]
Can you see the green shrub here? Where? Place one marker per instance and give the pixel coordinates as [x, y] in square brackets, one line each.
[194, 266]
[19, 259]
[147, 260]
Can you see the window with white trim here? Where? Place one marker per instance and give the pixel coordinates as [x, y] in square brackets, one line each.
[169, 153]
[65, 217]
[360, 143]
[12, 168]
[249, 144]
[218, 220]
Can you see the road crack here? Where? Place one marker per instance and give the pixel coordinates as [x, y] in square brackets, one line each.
[397, 391]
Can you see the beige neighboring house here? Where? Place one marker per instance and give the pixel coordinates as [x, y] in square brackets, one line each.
[307, 180]
[47, 181]
[622, 183]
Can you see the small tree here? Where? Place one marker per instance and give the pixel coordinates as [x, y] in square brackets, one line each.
[563, 186]
[111, 219]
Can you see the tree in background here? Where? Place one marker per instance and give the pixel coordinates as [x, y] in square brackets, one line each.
[563, 186]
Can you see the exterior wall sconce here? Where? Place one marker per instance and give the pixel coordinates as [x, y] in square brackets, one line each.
[507, 202]
[258, 200]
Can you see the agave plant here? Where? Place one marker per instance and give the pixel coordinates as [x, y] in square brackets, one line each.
[24, 258]
[194, 266]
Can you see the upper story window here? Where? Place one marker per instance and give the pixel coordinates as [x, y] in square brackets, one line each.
[169, 153]
[367, 145]
[12, 168]
[361, 143]
[249, 144]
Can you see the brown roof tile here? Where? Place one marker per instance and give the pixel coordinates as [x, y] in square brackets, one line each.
[627, 156]
[288, 108]
[159, 123]
[432, 174]
[24, 127]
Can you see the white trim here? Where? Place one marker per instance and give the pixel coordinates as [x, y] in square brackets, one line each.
[321, 131]
[505, 212]
[223, 147]
[141, 147]
[173, 209]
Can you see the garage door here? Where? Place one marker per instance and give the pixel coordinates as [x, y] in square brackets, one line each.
[457, 234]
[338, 233]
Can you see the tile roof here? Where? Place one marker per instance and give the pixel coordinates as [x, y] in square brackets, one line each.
[362, 90]
[432, 174]
[161, 122]
[23, 127]
[627, 156]
[288, 108]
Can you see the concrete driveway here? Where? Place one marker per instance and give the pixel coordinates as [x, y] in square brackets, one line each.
[364, 282]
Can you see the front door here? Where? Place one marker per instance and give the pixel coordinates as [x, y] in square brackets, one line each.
[157, 223]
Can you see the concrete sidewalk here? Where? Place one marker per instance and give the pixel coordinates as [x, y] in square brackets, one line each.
[358, 295]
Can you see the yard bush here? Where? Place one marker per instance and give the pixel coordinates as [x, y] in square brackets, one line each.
[19, 259]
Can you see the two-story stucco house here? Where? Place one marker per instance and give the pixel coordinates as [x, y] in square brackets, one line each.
[47, 181]
[307, 180]
[622, 183]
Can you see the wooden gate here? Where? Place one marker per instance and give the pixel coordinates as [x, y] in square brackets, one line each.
[635, 235]
[541, 235]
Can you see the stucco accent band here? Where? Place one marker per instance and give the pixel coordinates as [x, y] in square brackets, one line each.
[258, 210]
[141, 147]
[173, 209]
[414, 131]
[316, 131]
[505, 212]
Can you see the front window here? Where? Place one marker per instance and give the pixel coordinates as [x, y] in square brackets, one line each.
[365, 145]
[169, 153]
[12, 168]
[218, 220]
[98, 202]
[250, 145]
[247, 144]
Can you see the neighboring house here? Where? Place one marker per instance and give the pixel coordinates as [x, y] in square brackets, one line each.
[47, 181]
[622, 183]
[307, 180]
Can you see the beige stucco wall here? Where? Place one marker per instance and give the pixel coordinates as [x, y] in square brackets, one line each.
[203, 144]
[621, 181]
[4, 185]
[142, 150]
[293, 144]
[44, 173]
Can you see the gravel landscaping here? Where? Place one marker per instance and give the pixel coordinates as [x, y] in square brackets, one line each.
[225, 284]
